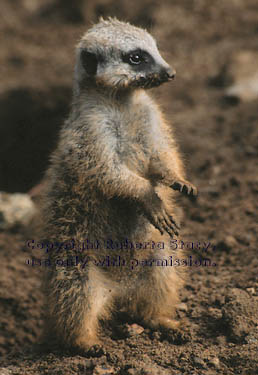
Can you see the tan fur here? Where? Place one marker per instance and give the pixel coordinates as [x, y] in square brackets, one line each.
[112, 177]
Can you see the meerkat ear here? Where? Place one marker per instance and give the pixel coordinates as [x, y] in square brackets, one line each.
[89, 62]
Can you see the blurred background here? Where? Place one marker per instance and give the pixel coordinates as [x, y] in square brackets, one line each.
[213, 106]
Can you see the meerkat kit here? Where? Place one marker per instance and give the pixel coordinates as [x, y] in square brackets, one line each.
[112, 180]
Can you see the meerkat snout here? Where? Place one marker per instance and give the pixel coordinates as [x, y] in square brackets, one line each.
[170, 72]
[167, 74]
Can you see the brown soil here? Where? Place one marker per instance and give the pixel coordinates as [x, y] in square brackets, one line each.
[218, 136]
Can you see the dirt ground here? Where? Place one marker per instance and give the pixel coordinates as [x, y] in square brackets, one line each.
[213, 45]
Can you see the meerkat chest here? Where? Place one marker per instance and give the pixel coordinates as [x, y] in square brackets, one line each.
[134, 132]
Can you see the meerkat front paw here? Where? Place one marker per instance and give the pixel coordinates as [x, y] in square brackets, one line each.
[156, 213]
[184, 187]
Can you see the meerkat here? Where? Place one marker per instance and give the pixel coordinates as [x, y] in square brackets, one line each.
[112, 179]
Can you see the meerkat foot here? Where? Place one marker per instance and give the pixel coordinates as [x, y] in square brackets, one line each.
[184, 187]
[171, 330]
[85, 342]
[165, 323]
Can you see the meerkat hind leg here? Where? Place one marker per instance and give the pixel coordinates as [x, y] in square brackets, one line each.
[155, 298]
[99, 303]
[76, 306]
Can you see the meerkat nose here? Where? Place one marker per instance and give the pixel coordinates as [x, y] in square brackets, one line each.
[170, 72]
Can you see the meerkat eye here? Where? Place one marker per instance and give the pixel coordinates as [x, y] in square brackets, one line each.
[135, 59]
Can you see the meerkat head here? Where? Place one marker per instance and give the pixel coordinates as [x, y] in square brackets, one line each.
[118, 55]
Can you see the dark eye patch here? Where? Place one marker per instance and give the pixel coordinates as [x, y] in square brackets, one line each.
[138, 58]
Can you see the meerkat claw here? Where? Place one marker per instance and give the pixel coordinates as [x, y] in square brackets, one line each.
[184, 187]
